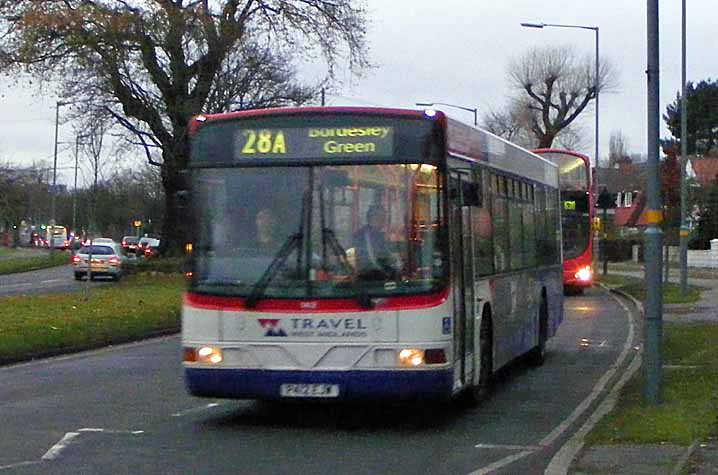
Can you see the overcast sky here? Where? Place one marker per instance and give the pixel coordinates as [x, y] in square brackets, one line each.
[457, 51]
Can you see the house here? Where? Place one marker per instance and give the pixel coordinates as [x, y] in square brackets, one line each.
[625, 180]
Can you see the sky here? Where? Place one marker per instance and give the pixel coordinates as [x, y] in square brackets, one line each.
[457, 52]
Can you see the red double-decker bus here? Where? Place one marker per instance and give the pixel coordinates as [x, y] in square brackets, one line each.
[577, 198]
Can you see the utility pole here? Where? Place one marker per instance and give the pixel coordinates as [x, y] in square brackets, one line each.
[653, 305]
[684, 231]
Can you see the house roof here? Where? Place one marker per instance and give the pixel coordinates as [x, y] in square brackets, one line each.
[627, 177]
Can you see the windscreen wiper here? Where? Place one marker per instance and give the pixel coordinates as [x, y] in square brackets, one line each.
[292, 242]
[330, 240]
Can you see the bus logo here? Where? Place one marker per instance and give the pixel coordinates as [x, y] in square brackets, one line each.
[273, 326]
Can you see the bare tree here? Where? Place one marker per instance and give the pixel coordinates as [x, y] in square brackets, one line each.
[514, 124]
[558, 86]
[154, 64]
[617, 148]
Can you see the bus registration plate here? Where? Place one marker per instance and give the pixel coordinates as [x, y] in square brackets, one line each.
[309, 390]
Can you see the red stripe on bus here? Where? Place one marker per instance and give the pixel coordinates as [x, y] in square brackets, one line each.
[211, 302]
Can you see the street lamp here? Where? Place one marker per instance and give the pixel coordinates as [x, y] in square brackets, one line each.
[58, 104]
[74, 190]
[469, 109]
[595, 83]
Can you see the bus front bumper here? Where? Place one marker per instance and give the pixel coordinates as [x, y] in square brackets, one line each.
[399, 385]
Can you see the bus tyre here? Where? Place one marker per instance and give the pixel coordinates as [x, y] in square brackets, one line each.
[78, 276]
[537, 355]
[480, 390]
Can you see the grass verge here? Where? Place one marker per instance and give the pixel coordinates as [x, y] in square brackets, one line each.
[690, 395]
[689, 409]
[636, 287]
[11, 265]
[137, 307]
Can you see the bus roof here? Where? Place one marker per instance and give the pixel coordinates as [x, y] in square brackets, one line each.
[196, 121]
[462, 140]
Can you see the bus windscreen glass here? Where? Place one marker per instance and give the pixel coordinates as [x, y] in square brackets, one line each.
[295, 232]
[575, 213]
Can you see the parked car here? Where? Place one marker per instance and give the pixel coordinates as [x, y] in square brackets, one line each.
[129, 243]
[104, 259]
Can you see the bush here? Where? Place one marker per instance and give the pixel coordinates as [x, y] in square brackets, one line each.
[621, 249]
[163, 265]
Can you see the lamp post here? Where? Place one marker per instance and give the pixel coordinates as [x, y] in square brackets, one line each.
[468, 109]
[596, 81]
[74, 189]
[684, 231]
[58, 104]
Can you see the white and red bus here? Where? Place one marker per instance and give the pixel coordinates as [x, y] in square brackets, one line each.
[577, 198]
[471, 223]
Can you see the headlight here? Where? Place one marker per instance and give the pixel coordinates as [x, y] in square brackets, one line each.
[411, 357]
[585, 274]
[205, 354]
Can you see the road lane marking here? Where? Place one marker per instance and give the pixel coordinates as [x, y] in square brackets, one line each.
[508, 447]
[599, 387]
[17, 286]
[63, 443]
[60, 446]
[501, 463]
[562, 459]
[19, 464]
[556, 465]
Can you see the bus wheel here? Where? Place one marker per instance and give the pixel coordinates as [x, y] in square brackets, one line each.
[537, 355]
[481, 390]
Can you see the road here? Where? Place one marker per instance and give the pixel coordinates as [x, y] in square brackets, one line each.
[125, 411]
[44, 281]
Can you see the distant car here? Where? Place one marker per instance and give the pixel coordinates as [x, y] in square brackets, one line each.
[129, 243]
[152, 249]
[104, 259]
[146, 241]
[103, 240]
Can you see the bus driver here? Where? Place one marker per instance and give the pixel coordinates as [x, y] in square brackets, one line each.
[375, 255]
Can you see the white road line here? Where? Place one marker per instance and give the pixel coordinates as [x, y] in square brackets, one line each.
[17, 286]
[50, 281]
[580, 409]
[56, 449]
[501, 463]
[508, 447]
[561, 460]
[195, 409]
[60, 446]
[19, 464]
[599, 387]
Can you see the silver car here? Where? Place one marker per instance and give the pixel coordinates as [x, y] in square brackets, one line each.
[105, 259]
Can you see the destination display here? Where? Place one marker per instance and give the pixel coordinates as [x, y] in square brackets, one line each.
[314, 142]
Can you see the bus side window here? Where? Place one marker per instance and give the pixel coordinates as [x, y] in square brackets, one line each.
[500, 215]
[483, 228]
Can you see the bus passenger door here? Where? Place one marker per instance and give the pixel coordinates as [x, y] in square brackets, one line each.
[462, 274]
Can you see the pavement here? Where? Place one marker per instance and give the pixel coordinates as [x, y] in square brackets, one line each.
[701, 457]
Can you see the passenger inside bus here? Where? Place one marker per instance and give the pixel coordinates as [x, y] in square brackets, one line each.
[375, 255]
